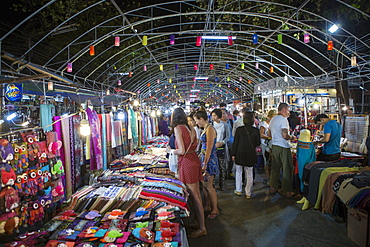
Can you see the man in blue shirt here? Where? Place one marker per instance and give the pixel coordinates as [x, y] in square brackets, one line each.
[331, 139]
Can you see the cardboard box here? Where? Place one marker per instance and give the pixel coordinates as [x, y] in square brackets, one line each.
[358, 226]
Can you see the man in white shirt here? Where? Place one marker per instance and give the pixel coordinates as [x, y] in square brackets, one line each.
[281, 154]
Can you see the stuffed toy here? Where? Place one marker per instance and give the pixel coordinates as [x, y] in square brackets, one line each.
[35, 181]
[6, 152]
[8, 176]
[57, 190]
[9, 199]
[43, 152]
[53, 149]
[8, 222]
[57, 169]
[32, 143]
[36, 212]
[23, 214]
[46, 179]
[20, 162]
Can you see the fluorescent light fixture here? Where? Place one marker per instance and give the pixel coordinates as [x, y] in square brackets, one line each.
[11, 116]
[333, 28]
[217, 37]
[195, 90]
[260, 60]
[25, 124]
[193, 96]
[201, 78]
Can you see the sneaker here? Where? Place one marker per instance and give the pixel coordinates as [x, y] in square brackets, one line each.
[248, 197]
[237, 193]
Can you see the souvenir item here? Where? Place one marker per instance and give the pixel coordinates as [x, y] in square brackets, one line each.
[20, 162]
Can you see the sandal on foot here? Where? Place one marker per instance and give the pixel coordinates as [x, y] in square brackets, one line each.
[197, 234]
[272, 190]
[213, 215]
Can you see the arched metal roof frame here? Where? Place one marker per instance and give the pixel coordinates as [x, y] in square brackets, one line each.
[259, 15]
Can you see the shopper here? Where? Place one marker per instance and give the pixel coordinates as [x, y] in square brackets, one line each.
[163, 126]
[223, 136]
[239, 122]
[208, 158]
[190, 171]
[265, 139]
[230, 124]
[332, 134]
[247, 138]
[224, 106]
[281, 154]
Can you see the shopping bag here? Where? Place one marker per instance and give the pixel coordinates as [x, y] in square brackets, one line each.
[173, 162]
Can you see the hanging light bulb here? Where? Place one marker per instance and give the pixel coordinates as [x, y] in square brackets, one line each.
[230, 40]
[145, 40]
[92, 50]
[159, 112]
[172, 39]
[144, 68]
[50, 85]
[120, 115]
[353, 61]
[108, 92]
[69, 67]
[198, 41]
[174, 86]
[330, 45]
[153, 114]
[242, 65]
[117, 41]
[85, 128]
[119, 83]
[148, 84]
[306, 38]
[280, 38]
[130, 74]
[255, 38]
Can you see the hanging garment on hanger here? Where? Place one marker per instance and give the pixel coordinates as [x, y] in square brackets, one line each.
[46, 117]
[104, 140]
[78, 153]
[109, 138]
[134, 127]
[67, 150]
[57, 127]
[96, 153]
[129, 127]
[114, 144]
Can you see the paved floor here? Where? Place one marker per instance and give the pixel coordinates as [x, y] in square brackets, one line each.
[269, 220]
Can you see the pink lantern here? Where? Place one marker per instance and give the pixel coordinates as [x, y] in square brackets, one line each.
[172, 39]
[306, 38]
[230, 40]
[199, 41]
[69, 67]
[195, 66]
[144, 68]
[117, 41]
[119, 83]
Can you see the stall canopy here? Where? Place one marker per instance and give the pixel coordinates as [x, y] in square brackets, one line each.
[185, 50]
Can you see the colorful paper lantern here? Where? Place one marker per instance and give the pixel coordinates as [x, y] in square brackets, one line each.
[242, 66]
[144, 68]
[306, 38]
[228, 79]
[195, 66]
[148, 84]
[69, 67]
[50, 86]
[211, 66]
[230, 40]
[271, 69]
[130, 74]
[255, 38]
[119, 83]
[330, 45]
[240, 78]
[249, 81]
[117, 41]
[92, 50]
[170, 80]
[353, 61]
[172, 39]
[161, 67]
[145, 40]
[280, 38]
[174, 86]
[198, 41]
[257, 65]
[176, 67]
[227, 66]
[158, 81]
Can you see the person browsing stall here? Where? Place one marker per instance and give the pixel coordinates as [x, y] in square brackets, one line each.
[332, 134]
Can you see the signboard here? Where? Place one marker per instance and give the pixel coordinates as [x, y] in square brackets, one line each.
[14, 92]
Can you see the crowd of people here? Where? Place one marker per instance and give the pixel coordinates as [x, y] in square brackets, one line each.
[225, 145]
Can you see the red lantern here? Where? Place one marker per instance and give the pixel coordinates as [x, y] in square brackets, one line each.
[230, 40]
[130, 74]
[148, 84]
[195, 66]
[211, 66]
[271, 69]
[237, 89]
[330, 45]
[198, 41]
[249, 82]
[117, 41]
[92, 50]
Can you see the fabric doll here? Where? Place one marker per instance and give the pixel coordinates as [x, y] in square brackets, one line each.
[32, 143]
[53, 149]
[9, 199]
[6, 152]
[58, 168]
[36, 212]
[23, 214]
[43, 152]
[20, 162]
[8, 176]
[8, 222]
